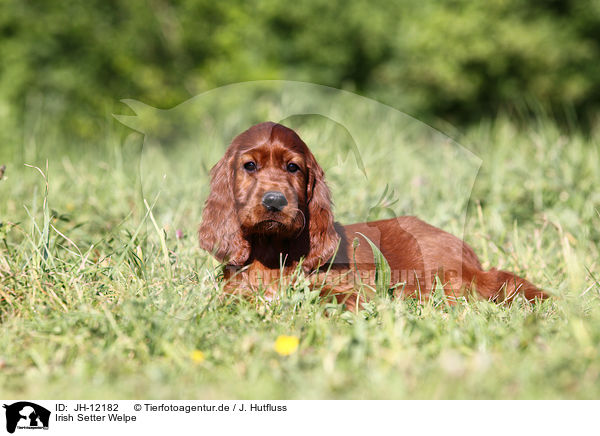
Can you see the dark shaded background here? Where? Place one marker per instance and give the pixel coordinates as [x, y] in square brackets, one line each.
[454, 60]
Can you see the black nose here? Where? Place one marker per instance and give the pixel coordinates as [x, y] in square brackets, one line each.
[274, 201]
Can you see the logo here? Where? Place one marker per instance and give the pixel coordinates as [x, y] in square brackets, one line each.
[26, 415]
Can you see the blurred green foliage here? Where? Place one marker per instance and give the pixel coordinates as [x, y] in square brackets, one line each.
[460, 60]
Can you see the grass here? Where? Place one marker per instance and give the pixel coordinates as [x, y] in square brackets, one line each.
[102, 297]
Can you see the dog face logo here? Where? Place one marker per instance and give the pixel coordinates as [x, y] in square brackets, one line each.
[26, 415]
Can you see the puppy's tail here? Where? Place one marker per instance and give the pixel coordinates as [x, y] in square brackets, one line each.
[497, 285]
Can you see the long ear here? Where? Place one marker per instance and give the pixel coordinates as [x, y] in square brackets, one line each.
[323, 237]
[220, 232]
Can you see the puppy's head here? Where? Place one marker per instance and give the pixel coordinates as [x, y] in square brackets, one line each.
[268, 184]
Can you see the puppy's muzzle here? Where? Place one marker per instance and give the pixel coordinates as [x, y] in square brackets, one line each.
[274, 201]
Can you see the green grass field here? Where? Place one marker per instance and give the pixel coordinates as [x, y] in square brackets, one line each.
[100, 298]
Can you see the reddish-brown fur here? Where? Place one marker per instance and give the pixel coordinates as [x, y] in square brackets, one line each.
[261, 247]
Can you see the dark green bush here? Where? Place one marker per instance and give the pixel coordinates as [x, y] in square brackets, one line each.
[74, 60]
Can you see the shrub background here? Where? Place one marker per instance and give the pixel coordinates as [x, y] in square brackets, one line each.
[456, 60]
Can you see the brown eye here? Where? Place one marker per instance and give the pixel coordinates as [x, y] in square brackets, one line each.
[292, 167]
[250, 166]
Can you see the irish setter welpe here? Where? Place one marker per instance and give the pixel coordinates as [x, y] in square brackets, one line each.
[269, 211]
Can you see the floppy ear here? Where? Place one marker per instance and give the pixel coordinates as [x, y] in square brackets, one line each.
[220, 232]
[323, 237]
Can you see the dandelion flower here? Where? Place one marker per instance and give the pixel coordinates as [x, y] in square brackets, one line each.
[197, 356]
[286, 345]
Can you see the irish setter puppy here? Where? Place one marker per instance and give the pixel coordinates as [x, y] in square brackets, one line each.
[269, 210]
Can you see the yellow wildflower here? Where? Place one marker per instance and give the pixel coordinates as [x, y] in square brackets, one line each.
[197, 356]
[286, 345]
